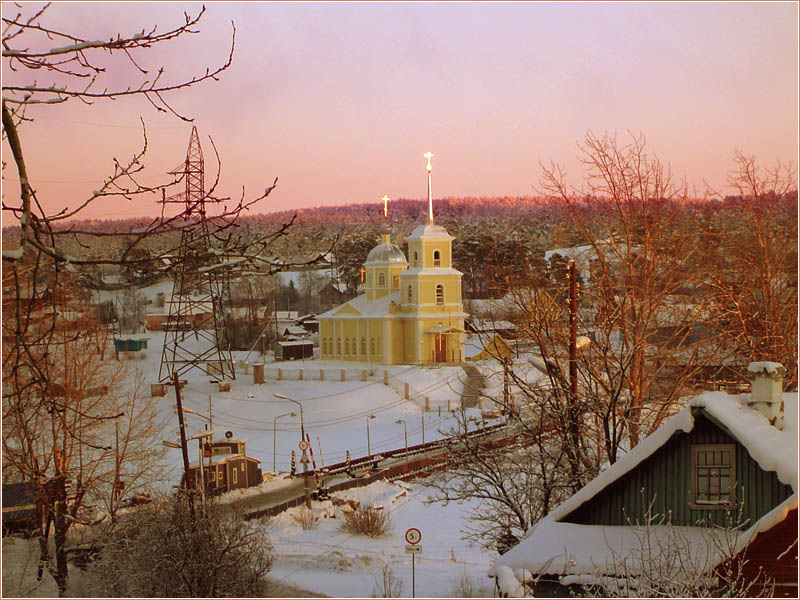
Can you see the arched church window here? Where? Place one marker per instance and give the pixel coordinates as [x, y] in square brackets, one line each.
[381, 280]
[363, 346]
[410, 294]
[415, 258]
[437, 259]
[439, 293]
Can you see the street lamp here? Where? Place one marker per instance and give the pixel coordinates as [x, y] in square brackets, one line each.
[303, 458]
[369, 450]
[302, 426]
[274, 431]
[405, 434]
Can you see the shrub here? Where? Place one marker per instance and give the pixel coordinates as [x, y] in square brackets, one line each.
[464, 586]
[306, 518]
[387, 585]
[366, 520]
[161, 551]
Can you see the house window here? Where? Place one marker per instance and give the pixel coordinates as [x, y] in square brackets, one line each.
[714, 469]
[439, 293]
[415, 258]
[410, 294]
[381, 280]
[437, 259]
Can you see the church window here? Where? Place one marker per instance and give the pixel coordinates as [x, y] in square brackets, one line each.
[347, 346]
[439, 293]
[437, 259]
[395, 282]
[381, 280]
[372, 346]
[363, 347]
[339, 346]
[410, 294]
[415, 258]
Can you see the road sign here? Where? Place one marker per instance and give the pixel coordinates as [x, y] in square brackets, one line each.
[413, 549]
[413, 536]
[303, 445]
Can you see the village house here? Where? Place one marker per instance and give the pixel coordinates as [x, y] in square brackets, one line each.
[724, 462]
[226, 467]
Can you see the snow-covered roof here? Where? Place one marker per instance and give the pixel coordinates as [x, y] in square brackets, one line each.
[491, 325]
[296, 343]
[544, 547]
[773, 449]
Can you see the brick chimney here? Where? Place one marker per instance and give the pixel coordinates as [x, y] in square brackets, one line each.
[767, 390]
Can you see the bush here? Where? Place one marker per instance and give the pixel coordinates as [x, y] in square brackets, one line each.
[464, 586]
[306, 518]
[388, 585]
[160, 551]
[366, 520]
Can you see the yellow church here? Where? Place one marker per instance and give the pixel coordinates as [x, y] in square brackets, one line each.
[408, 313]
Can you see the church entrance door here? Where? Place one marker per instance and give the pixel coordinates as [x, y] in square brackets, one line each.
[441, 348]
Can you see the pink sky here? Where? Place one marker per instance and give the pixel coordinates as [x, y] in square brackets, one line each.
[340, 101]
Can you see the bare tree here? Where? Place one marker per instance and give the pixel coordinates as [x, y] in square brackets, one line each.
[649, 332]
[71, 427]
[519, 474]
[753, 266]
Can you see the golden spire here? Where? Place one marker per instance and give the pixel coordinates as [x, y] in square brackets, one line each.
[428, 155]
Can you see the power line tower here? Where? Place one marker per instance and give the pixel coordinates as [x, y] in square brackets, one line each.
[195, 333]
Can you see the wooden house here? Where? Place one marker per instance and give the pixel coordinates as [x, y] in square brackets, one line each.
[719, 479]
[226, 467]
[294, 350]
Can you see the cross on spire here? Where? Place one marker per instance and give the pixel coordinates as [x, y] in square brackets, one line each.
[385, 206]
[428, 155]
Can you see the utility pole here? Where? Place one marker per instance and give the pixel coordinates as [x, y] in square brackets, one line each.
[184, 449]
[573, 429]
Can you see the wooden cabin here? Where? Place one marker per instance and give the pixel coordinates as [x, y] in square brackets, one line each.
[226, 467]
[720, 478]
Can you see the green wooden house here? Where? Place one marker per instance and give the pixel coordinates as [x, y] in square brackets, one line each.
[713, 488]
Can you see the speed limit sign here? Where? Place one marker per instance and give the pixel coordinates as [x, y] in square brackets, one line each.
[413, 536]
[303, 445]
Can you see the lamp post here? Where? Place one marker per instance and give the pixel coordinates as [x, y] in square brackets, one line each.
[303, 457]
[302, 425]
[369, 450]
[405, 434]
[274, 431]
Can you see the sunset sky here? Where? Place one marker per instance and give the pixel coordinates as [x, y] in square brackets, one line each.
[340, 101]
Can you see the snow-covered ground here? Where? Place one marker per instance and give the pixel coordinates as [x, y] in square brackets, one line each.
[326, 560]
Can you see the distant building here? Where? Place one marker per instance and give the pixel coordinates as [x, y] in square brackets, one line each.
[226, 467]
[407, 313]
